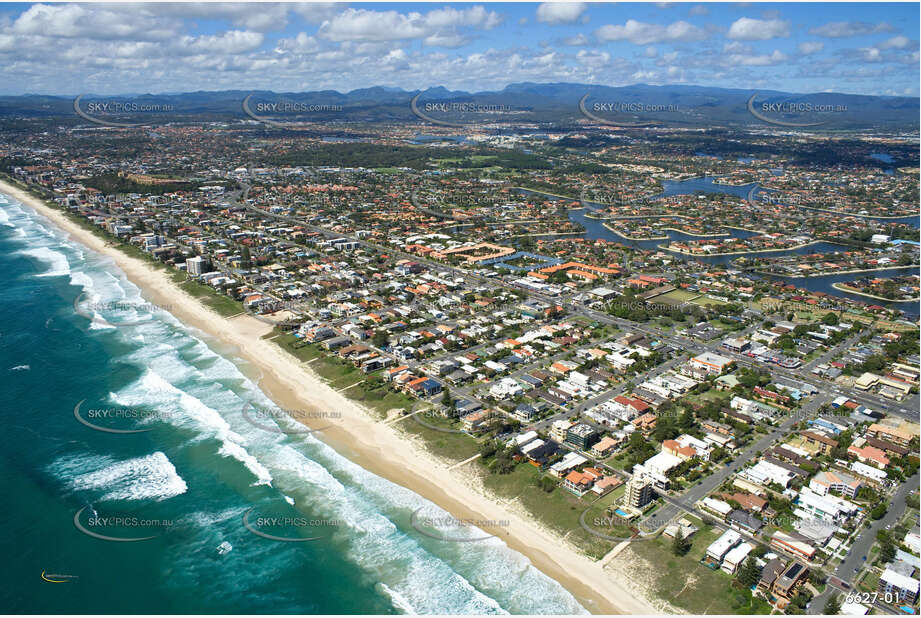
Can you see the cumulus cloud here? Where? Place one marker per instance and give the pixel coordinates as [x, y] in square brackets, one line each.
[230, 42]
[842, 29]
[756, 60]
[367, 25]
[577, 40]
[641, 33]
[262, 17]
[560, 12]
[92, 21]
[593, 59]
[748, 29]
[452, 40]
[896, 42]
[303, 43]
[810, 47]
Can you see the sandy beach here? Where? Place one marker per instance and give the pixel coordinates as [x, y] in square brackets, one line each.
[372, 444]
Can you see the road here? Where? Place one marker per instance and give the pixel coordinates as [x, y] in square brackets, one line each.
[860, 548]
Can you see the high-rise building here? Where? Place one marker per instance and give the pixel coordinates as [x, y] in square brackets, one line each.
[196, 265]
[639, 491]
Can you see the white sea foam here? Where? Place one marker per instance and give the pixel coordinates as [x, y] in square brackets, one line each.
[416, 574]
[55, 259]
[152, 477]
[21, 368]
[183, 409]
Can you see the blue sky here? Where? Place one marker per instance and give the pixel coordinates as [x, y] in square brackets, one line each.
[862, 48]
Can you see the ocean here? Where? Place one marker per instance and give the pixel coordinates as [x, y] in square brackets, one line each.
[203, 510]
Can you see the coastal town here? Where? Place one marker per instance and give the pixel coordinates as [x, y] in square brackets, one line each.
[692, 366]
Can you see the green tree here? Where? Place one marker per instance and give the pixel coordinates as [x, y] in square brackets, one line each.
[879, 510]
[380, 338]
[886, 553]
[749, 574]
[832, 606]
[680, 545]
[446, 399]
[686, 421]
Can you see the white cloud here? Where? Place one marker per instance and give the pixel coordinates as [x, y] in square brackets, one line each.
[577, 40]
[314, 12]
[810, 47]
[651, 52]
[366, 25]
[263, 16]
[92, 21]
[896, 42]
[301, 44]
[231, 42]
[842, 29]
[756, 60]
[699, 9]
[748, 29]
[560, 12]
[451, 40]
[641, 33]
[593, 59]
[871, 54]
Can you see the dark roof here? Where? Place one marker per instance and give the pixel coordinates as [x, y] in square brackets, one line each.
[746, 520]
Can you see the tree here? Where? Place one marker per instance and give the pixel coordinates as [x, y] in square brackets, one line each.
[380, 338]
[446, 399]
[680, 545]
[686, 421]
[879, 510]
[832, 606]
[246, 260]
[886, 553]
[749, 574]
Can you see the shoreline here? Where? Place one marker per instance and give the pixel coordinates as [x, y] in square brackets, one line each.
[613, 231]
[844, 288]
[843, 272]
[682, 251]
[370, 443]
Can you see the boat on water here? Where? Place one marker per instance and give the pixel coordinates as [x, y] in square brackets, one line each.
[224, 548]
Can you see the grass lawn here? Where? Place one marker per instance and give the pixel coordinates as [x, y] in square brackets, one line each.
[678, 296]
[339, 374]
[453, 446]
[224, 305]
[711, 395]
[558, 510]
[705, 300]
[685, 583]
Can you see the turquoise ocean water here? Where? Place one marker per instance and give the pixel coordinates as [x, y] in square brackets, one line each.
[189, 479]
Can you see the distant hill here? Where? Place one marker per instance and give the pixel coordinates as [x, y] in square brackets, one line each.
[553, 105]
